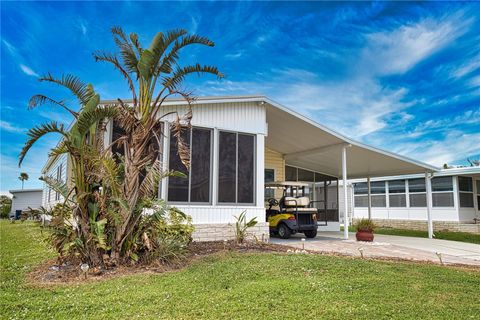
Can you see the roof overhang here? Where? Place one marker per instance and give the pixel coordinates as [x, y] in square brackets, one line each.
[310, 145]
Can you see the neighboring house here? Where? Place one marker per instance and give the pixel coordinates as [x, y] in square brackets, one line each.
[401, 201]
[25, 199]
[238, 143]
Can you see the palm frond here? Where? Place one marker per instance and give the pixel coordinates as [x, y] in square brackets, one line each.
[37, 132]
[61, 148]
[151, 180]
[110, 58]
[172, 82]
[40, 99]
[57, 185]
[88, 118]
[127, 53]
[74, 84]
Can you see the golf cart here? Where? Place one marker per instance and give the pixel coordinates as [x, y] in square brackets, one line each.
[293, 213]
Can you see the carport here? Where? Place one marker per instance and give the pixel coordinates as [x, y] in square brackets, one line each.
[307, 144]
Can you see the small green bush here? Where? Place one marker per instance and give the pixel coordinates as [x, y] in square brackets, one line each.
[242, 226]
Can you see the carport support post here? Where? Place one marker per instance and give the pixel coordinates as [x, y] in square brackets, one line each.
[369, 199]
[345, 192]
[428, 185]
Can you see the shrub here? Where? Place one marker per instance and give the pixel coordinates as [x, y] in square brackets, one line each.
[365, 225]
[242, 226]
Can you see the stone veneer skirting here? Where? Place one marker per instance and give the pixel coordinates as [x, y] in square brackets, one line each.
[222, 231]
[422, 225]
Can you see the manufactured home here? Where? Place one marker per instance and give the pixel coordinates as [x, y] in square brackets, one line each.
[23, 200]
[401, 201]
[238, 143]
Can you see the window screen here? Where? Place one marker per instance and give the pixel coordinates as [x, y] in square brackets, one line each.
[246, 165]
[379, 201]
[377, 187]
[306, 175]
[200, 165]
[466, 200]
[236, 172]
[465, 184]
[442, 199]
[227, 154]
[418, 200]
[396, 186]
[442, 184]
[290, 173]
[178, 186]
[361, 201]
[269, 177]
[397, 200]
[416, 185]
[360, 188]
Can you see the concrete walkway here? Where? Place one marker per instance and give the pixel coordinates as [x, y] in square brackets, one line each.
[386, 246]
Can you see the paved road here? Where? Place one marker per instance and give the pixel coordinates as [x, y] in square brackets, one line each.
[420, 249]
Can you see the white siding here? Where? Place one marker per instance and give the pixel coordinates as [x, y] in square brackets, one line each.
[22, 200]
[48, 198]
[221, 214]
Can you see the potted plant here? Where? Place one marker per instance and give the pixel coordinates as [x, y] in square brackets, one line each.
[365, 228]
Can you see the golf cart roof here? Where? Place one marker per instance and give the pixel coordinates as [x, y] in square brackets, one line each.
[284, 184]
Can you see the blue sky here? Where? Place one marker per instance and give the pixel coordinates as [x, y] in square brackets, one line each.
[401, 76]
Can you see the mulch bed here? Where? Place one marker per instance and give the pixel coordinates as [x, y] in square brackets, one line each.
[49, 272]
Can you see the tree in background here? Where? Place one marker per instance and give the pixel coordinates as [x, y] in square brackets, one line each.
[23, 176]
[474, 162]
[5, 206]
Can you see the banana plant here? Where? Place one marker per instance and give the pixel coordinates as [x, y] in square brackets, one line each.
[83, 143]
[152, 74]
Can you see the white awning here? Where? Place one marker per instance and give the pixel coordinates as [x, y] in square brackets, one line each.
[309, 145]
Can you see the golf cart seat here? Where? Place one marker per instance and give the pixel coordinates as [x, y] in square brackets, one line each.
[296, 202]
[300, 209]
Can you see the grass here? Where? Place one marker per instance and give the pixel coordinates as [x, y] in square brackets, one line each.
[445, 235]
[239, 286]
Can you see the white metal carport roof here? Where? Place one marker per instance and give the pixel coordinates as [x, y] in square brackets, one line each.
[310, 145]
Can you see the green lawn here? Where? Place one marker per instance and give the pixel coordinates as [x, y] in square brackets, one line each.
[446, 235]
[240, 286]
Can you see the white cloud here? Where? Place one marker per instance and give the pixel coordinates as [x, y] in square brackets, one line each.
[467, 68]
[233, 56]
[397, 51]
[83, 28]
[28, 71]
[194, 26]
[10, 47]
[7, 126]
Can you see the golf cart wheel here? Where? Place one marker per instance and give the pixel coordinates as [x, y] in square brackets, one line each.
[310, 233]
[283, 231]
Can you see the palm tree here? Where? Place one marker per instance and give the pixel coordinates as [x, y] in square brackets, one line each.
[83, 143]
[153, 74]
[23, 176]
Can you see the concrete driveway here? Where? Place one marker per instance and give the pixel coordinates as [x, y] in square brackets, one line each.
[386, 246]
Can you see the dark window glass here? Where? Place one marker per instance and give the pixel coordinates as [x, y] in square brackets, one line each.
[416, 185]
[227, 154]
[478, 186]
[418, 200]
[444, 199]
[269, 177]
[465, 184]
[379, 201]
[442, 184]
[360, 188]
[246, 166]
[177, 186]
[397, 201]
[361, 201]
[290, 173]
[377, 187]
[200, 166]
[466, 200]
[306, 175]
[396, 186]
[117, 132]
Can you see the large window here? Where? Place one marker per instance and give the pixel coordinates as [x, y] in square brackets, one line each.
[417, 193]
[465, 189]
[397, 197]
[197, 185]
[478, 194]
[442, 192]
[236, 168]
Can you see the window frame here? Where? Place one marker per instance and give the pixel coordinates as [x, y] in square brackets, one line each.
[404, 194]
[417, 193]
[274, 179]
[471, 193]
[167, 152]
[452, 192]
[254, 185]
